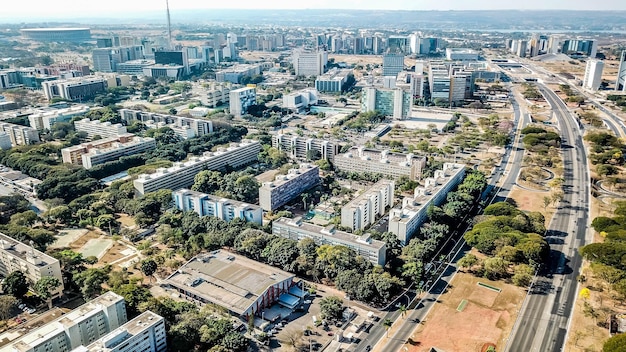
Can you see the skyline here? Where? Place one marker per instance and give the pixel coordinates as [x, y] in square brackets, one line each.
[65, 8]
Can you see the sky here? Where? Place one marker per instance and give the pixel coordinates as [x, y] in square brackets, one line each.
[55, 8]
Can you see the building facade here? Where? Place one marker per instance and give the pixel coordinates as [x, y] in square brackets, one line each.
[57, 34]
[74, 89]
[182, 174]
[209, 205]
[241, 99]
[405, 220]
[363, 210]
[394, 165]
[101, 151]
[145, 333]
[393, 64]
[97, 128]
[285, 188]
[305, 148]
[394, 102]
[190, 127]
[332, 81]
[18, 134]
[310, 64]
[620, 82]
[364, 245]
[593, 75]
[300, 100]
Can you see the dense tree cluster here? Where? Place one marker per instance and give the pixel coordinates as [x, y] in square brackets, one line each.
[607, 152]
[510, 237]
[238, 185]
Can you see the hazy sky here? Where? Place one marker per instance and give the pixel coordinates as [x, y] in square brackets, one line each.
[24, 8]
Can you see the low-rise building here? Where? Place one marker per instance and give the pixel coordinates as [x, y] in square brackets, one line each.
[332, 81]
[17, 256]
[83, 88]
[461, 54]
[186, 127]
[100, 151]
[240, 285]
[209, 205]
[363, 210]
[305, 148]
[5, 141]
[97, 128]
[285, 188]
[405, 220]
[182, 174]
[80, 327]
[385, 162]
[364, 245]
[45, 119]
[235, 73]
[300, 100]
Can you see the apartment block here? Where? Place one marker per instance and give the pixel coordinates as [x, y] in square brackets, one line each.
[145, 333]
[186, 127]
[101, 151]
[76, 329]
[332, 81]
[235, 73]
[620, 81]
[241, 99]
[83, 88]
[181, 175]
[593, 74]
[404, 221]
[46, 118]
[285, 188]
[385, 162]
[5, 141]
[97, 128]
[15, 255]
[393, 63]
[305, 148]
[18, 134]
[209, 205]
[364, 245]
[215, 95]
[363, 210]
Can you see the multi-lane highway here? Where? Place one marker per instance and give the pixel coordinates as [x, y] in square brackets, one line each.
[511, 163]
[543, 321]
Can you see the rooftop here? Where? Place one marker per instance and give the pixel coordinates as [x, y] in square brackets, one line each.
[125, 332]
[291, 174]
[24, 251]
[211, 197]
[384, 156]
[230, 280]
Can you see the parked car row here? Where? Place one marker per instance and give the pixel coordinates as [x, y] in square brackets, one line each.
[26, 308]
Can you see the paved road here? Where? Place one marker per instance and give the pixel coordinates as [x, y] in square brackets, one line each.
[543, 321]
[511, 161]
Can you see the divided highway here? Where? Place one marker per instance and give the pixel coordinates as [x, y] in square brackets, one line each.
[544, 319]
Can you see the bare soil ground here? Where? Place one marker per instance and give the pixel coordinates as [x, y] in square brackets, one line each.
[532, 201]
[488, 317]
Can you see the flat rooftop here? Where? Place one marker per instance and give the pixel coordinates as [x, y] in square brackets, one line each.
[125, 332]
[215, 198]
[24, 251]
[227, 279]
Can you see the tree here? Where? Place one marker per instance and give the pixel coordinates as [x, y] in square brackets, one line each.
[15, 284]
[90, 281]
[546, 201]
[495, 268]
[331, 307]
[402, 309]
[523, 275]
[44, 287]
[468, 261]
[615, 343]
[387, 323]
[585, 294]
[148, 267]
[7, 303]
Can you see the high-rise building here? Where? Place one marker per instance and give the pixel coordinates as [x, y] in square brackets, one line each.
[305, 148]
[285, 188]
[521, 48]
[393, 64]
[311, 63]
[332, 81]
[20, 135]
[394, 165]
[398, 45]
[394, 102]
[108, 59]
[144, 333]
[209, 205]
[587, 47]
[241, 99]
[15, 255]
[74, 89]
[593, 74]
[177, 58]
[620, 82]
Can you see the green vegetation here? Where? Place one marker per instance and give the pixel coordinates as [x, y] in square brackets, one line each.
[616, 343]
[607, 152]
[544, 146]
[619, 100]
[510, 238]
[531, 92]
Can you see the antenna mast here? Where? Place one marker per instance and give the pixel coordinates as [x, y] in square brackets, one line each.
[169, 25]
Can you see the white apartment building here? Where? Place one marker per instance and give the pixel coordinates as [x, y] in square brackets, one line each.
[620, 82]
[145, 333]
[303, 147]
[363, 210]
[80, 327]
[97, 128]
[18, 134]
[405, 221]
[15, 255]
[241, 99]
[100, 151]
[209, 205]
[234, 74]
[364, 245]
[45, 119]
[214, 95]
[394, 165]
[593, 74]
[285, 188]
[332, 81]
[182, 174]
[309, 64]
[186, 127]
[300, 100]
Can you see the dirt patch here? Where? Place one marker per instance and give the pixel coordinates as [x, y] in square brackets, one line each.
[82, 240]
[532, 201]
[482, 321]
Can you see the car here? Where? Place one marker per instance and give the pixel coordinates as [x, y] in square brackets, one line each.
[31, 310]
[21, 306]
[368, 348]
[307, 301]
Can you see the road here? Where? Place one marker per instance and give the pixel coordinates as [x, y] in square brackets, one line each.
[511, 161]
[543, 320]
